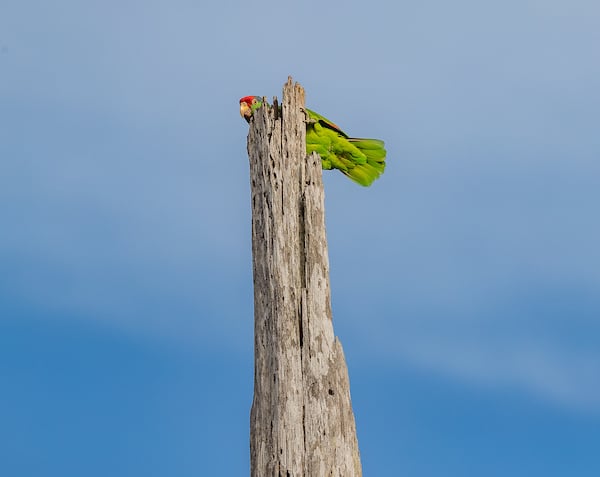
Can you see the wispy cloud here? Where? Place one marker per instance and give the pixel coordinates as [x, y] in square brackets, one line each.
[557, 375]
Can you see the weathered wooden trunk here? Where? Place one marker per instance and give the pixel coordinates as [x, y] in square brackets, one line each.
[301, 420]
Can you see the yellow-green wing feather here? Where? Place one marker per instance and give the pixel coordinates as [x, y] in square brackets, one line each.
[362, 160]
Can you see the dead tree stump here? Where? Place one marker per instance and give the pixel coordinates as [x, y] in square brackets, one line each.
[301, 420]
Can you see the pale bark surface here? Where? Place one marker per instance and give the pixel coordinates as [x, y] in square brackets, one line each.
[301, 420]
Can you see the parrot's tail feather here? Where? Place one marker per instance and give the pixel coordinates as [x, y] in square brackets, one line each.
[362, 143]
[365, 173]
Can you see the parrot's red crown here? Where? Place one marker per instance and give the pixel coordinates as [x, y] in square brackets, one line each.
[247, 99]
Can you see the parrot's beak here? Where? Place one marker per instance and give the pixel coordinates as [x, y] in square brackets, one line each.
[245, 111]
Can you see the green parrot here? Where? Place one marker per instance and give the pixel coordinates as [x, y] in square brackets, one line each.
[362, 160]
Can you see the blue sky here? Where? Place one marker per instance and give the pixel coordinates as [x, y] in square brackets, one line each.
[465, 282]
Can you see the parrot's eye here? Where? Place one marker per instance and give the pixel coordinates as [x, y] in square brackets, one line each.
[253, 100]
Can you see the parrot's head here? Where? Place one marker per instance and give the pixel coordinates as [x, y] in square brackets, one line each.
[249, 104]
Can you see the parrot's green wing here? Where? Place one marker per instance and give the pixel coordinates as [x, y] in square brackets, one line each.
[324, 122]
[362, 160]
